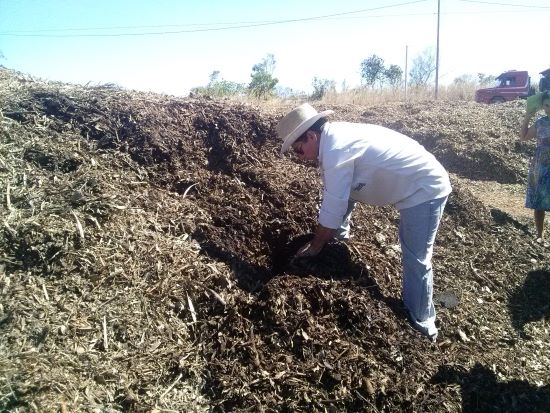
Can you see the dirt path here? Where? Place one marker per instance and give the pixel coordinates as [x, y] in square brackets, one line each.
[509, 198]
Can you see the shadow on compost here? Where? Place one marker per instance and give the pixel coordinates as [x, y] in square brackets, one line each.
[481, 392]
[531, 301]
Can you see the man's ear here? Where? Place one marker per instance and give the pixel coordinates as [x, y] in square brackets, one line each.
[311, 134]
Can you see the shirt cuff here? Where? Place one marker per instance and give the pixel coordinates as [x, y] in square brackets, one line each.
[332, 211]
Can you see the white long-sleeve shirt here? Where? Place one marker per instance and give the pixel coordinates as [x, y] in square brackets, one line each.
[375, 165]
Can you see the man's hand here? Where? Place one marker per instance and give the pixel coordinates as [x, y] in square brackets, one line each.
[308, 251]
[314, 247]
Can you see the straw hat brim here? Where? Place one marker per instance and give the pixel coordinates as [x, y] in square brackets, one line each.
[300, 129]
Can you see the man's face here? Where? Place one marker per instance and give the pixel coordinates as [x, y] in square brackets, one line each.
[307, 147]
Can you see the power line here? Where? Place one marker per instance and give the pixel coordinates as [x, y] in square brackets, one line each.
[230, 26]
[245, 24]
[71, 29]
[22, 32]
[505, 4]
[14, 32]
[218, 23]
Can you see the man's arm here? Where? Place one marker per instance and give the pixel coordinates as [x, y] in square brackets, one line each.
[527, 132]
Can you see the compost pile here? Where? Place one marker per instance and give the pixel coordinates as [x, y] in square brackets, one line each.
[146, 264]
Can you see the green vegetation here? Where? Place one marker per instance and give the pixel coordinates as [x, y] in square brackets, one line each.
[485, 80]
[263, 83]
[393, 75]
[374, 72]
[220, 87]
[380, 83]
[321, 87]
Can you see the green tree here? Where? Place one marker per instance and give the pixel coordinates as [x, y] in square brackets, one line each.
[219, 87]
[393, 75]
[214, 76]
[423, 68]
[262, 84]
[485, 80]
[321, 87]
[372, 70]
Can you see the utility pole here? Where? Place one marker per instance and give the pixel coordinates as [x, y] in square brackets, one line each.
[437, 52]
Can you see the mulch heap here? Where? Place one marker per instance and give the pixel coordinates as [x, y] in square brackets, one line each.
[146, 264]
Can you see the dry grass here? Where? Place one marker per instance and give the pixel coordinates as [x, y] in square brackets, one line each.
[365, 96]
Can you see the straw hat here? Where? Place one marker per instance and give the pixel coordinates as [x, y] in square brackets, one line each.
[296, 122]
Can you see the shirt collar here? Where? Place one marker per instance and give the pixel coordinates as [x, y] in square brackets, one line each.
[324, 131]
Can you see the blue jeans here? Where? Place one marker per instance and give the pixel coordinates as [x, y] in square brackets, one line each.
[417, 229]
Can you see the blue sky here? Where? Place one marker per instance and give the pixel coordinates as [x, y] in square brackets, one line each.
[170, 46]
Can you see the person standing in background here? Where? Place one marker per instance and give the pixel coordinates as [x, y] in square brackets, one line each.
[538, 182]
[544, 83]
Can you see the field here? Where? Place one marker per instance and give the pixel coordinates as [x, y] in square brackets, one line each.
[145, 263]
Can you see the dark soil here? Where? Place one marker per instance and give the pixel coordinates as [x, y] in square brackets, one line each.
[146, 264]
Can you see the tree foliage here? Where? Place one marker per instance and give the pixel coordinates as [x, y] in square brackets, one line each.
[393, 75]
[485, 80]
[372, 70]
[321, 87]
[219, 87]
[262, 84]
[423, 68]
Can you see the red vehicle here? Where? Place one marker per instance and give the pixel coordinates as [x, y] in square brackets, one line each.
[510, 85]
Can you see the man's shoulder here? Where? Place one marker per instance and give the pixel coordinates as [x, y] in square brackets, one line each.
[343, 126]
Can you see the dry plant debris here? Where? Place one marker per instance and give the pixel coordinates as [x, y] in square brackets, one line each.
[145, 264]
